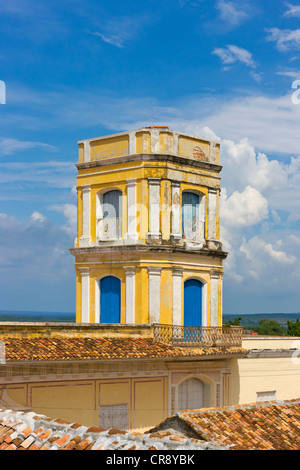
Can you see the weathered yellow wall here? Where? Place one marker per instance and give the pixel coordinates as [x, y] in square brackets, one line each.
[252, 375]
[79, 401]
[111, 147]
[150, 402]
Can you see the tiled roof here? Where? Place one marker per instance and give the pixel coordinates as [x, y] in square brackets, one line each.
[49, 348]
[257, 426]
[30, 431]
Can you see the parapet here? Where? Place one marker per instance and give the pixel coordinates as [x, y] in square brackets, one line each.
[158, 140]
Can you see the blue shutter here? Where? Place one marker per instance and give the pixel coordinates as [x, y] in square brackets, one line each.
[193, 302]
[110, 299]
[112, 213]
[190, 214]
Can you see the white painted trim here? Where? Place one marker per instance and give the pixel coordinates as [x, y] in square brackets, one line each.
[86, 151]
[97, 300]
[131, 210]
[154, 208]
[132, 142]
[85, 295]
[86, 217]
[175, 210]
[177, 296]
[130, 294]
[214, 298]
[212, 214]
[154, 275]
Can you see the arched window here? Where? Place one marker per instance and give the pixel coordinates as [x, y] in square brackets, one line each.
[193, 302]
[110, 300]
[193, 394]
[109, 215]
[193, 216]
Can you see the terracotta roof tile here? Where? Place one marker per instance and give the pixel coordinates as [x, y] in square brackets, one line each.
[70, 437]
[49, 348]
[273, 425]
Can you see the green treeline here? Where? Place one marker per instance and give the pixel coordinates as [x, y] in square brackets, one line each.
[270, 327]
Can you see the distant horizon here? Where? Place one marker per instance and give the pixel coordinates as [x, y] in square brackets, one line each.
[41, 312]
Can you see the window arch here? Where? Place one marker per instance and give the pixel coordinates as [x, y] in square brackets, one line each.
[193, 216]
[110, 299]
[193, 393]
[109, 215]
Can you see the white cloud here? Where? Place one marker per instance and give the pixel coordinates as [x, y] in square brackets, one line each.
[279, 256]
[121, 30]
[292, 11]
[37, 217]
[288, 72]
[40, 244]
[232, 54]
[271, 123]
[231, 13]
[260, 199]
[70, 213]
[55, 174]
[11, 146]
[242, 209]
[285, 38]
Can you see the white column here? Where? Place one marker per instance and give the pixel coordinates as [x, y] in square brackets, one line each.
[212, 214]
[154, 140]
[132, 140]
[175, 211]
[175, 143]
[131, 210]
[154, 208]
[86, 208]
[214, 298]
[130, 294]
[177, 296]
[86, 151]
[154, 274]
[85, 295]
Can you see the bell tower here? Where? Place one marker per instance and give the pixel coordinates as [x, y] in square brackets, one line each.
[148, 245]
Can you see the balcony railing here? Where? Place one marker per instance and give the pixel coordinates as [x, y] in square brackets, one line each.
[204, 336]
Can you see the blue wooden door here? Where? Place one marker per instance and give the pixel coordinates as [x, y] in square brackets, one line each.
[110, 299]
[190, 214]
[193, 302]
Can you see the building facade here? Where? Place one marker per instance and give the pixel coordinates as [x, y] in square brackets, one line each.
[148, 246]
[149, 266]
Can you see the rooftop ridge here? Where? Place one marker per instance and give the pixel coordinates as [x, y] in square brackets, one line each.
[242, 406]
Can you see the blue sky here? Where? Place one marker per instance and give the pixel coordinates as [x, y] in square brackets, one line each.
[76, 70]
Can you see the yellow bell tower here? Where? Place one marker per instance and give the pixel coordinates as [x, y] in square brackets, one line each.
[148, 246]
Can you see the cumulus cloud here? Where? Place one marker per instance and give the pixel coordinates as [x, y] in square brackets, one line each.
[33, 246]
[243, 209]
[259, 208]
[70, 213]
